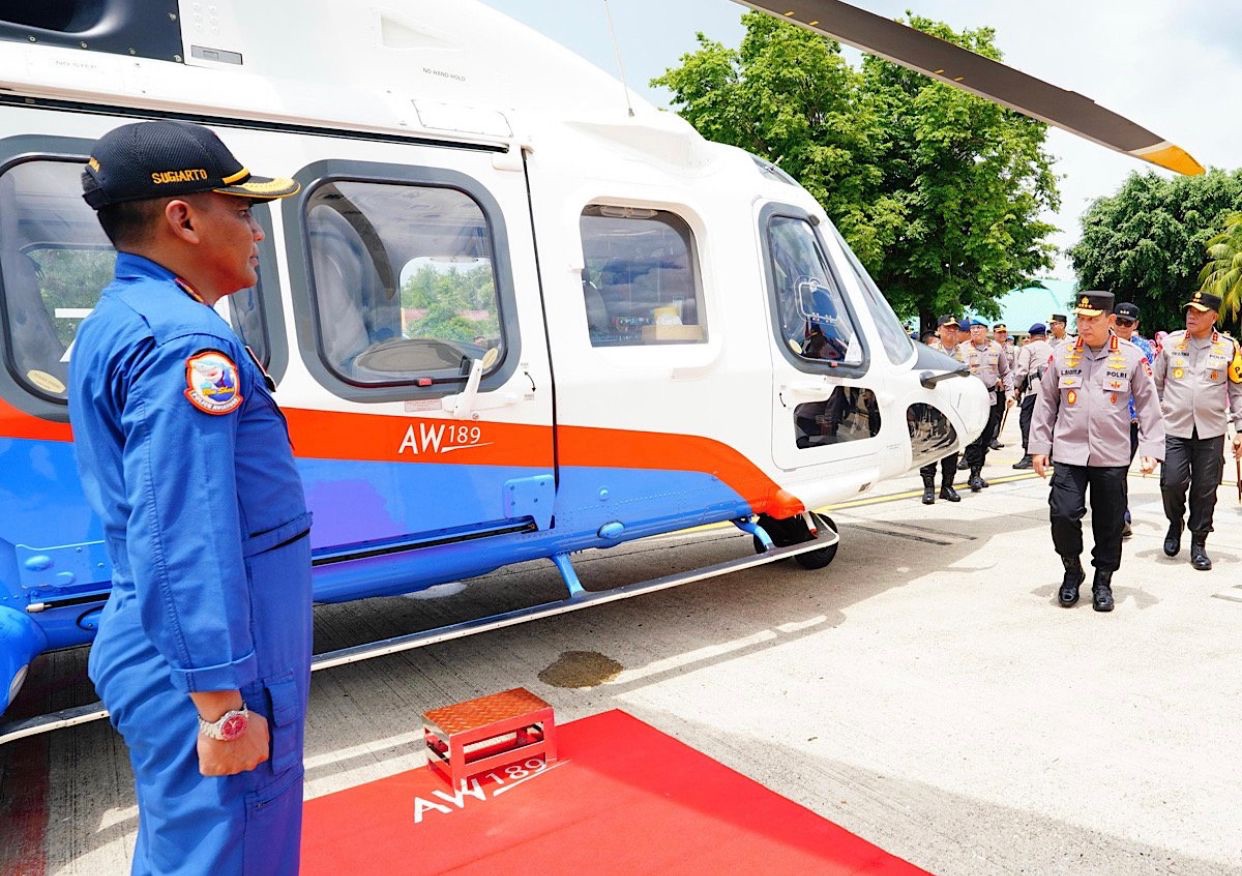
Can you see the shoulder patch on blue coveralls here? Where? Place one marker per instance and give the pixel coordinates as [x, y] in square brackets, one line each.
[211, 380]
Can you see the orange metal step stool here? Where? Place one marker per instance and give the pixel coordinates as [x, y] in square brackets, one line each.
[487, 733]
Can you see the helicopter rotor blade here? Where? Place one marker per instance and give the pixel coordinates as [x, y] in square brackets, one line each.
[953, 65]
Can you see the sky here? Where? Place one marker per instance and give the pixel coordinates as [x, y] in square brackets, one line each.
[1174, 68]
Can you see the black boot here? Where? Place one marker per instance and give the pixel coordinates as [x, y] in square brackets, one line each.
[929, 489]
[962, 464]
[1198, 552]
[1024, 462]
[976, 482]
[1173, 539]
[995, 445]
[947, 492]
[1074, 575]
[1102, 591]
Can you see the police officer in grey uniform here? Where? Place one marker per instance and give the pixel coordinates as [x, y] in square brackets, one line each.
[946, 342]
[1197, 372]
[1082, 417]
[1057, 327]
[1000, 334]
[988, 362]
[1032, 360]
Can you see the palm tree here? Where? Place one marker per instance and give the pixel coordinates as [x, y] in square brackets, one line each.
[1222, 275]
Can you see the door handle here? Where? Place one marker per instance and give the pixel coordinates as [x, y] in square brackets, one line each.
[808, 390]
[465, 405]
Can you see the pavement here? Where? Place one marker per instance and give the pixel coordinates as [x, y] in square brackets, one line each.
[924, 691]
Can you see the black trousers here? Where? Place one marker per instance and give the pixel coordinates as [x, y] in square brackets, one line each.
[1133, 451]
[1193, 464]
[948, 470]
[977, 450]
[1024, 420]
[1067, 504]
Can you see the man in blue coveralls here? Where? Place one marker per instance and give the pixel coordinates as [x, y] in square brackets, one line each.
[203, 652]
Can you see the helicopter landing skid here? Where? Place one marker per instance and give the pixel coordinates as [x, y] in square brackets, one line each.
[577, 599]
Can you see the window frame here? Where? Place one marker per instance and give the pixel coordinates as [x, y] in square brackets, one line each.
[696, 275]
[306, 300]
[14, 389]
[776, 210]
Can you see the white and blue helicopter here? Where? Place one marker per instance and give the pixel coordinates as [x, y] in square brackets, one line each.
[509, 319]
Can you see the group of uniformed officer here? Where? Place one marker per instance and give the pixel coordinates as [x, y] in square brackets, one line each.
[1101, 398]
[1094, 401]
[988, 361]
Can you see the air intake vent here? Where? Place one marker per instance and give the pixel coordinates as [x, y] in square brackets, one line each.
[138, 28]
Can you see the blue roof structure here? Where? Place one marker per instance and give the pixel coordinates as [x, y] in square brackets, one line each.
[1022, 308]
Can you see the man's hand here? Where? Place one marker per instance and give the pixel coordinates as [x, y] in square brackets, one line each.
[1039, 462]
[1147, 464]
[1237, 446]
[1009, 401]
[219, 758]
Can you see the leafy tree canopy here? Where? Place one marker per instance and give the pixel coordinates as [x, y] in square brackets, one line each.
[937, 191]
[1148, 242]
[1223, 272]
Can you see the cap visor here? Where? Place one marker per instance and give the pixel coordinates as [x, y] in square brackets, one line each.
[1202, 308]
[262, 188]
[1086, 311]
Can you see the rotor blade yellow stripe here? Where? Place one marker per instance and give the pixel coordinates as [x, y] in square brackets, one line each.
[1170, 157]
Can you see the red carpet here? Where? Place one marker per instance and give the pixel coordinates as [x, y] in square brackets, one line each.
[622, 798]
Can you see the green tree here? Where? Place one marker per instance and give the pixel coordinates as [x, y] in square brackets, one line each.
[937, 191]
[1222, 274]
[452, 304]
[1148, 242]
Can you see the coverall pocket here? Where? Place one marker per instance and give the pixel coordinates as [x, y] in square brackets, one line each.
[285, 724]
[274, 826]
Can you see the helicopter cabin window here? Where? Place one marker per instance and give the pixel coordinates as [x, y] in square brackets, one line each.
[54, 262]
[640, 284]
[815, 321]
[404, 282]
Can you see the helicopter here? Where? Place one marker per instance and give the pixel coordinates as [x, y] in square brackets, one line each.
[508, 320]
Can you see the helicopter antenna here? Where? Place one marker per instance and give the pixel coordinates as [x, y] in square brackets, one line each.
[612, 32]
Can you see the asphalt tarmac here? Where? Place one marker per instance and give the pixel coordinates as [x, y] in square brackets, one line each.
[924, 691]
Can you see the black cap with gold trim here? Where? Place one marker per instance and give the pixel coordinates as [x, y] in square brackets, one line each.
[149, 160]
[1094, 303]
[1203, 301]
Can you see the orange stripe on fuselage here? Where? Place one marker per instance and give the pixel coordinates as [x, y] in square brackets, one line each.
[19, 424]
[382, 438]
[618, 448]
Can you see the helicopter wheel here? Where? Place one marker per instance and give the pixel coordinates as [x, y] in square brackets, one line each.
[792, 530]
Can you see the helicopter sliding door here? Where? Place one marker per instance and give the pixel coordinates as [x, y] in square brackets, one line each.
[424, 416]
[823, 410]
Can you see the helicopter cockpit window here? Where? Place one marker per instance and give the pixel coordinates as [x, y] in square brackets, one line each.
[640, 283]
[54, 262]
[897, 343]
[404, 282]
[815, 322]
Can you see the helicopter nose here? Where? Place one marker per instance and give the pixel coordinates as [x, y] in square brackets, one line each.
[973, 404]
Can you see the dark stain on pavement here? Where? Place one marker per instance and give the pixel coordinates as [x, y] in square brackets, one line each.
[580, 669]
